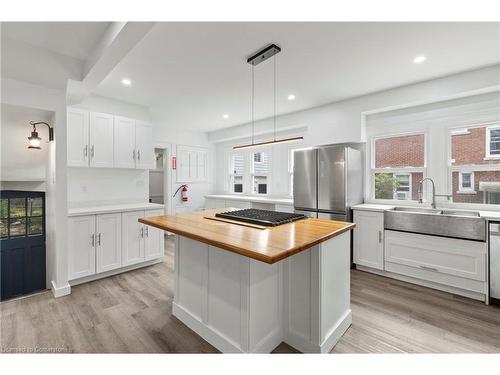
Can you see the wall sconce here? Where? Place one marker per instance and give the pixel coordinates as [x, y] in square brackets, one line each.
[35, 139]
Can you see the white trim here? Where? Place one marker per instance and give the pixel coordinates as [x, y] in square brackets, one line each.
[488, 142]
[60, 291]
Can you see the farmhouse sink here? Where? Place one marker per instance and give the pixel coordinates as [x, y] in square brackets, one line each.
[447, 223]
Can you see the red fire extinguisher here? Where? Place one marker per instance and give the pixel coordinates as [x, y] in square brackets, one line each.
[184, 191]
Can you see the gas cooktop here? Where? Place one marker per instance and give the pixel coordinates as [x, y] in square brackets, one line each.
[261, 217]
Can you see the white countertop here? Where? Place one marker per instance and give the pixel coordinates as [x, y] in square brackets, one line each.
[488, 215]
[249, 198]
[110, 208]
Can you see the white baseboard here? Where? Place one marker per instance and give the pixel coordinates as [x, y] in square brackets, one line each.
[60, 291]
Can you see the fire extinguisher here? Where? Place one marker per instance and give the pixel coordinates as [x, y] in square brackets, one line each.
[184, 195]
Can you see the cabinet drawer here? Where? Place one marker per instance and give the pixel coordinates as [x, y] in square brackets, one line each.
[461, 258]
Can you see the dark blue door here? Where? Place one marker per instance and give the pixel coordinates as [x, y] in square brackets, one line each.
[22, 232]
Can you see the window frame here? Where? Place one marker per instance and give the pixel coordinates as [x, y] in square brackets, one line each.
[461, 189]
[489, 155]
[232, 175]
[399, 170]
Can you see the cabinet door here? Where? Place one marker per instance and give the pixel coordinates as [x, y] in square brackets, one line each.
[154, 245]
[101, 140]
[77, 137]
[81, 246]
[369, 239]
[132, 238]
[108, 242]
[144, 145]
[124, 142]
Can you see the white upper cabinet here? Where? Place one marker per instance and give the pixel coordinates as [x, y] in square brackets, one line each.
[191, 164]
[78, 137]
[101, 140]
[124, 142]
[145, 158]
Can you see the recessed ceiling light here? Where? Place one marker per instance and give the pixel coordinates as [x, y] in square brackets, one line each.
[419, 59]
[225, 116]
[291, 97]
[126, 82]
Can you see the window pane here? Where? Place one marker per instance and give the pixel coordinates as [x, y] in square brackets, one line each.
[468, 147]
[260, 184]
[35, 225]
[4, 208]
[17, 207]
[486, 188]
[262, 163]
[3, 228]
[466, 180]
[238, 164]
[397, 186]
[238, 184]
[17, 227]
[34, 206]
[400, 152]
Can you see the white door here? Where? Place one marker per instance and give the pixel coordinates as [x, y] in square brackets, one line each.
[154, 246]
[368, 246]
[133, 234]
[124, 142]
[108, 242]
[101, 140]
[144, 145]
[81, 246]
[77, 137]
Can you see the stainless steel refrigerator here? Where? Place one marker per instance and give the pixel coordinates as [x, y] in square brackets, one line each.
[328, 181]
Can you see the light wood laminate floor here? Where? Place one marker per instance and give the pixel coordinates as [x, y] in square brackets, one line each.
[131, 313]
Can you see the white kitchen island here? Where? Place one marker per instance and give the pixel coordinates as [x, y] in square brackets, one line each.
[247, 290]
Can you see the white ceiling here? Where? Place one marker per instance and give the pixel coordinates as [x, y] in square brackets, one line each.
[74, 39]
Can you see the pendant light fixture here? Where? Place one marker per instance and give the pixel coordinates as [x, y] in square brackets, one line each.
[34, 139]
[254, 60]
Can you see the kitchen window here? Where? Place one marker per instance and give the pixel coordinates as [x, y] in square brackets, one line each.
[398, 165]
[236, 172]
[261, 167]
[475, 164]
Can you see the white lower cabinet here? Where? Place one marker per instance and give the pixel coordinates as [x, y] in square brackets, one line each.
[133, 234]
[368, 241]
[108, 242]
[154, 240]
[81, 246]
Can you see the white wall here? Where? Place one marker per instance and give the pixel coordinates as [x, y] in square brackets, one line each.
[95, 186]
[342, 121]
[26, 167]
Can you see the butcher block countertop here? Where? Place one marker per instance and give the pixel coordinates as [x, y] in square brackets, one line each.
[268, 245]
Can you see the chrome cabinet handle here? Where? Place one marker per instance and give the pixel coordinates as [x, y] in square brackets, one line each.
[92, 241]
[92, 151]
[147, 231]
[429, 268]
[139, 155]
[133, 154]
[142, 232]
[99, 239]
[85, 151]
[379, 236]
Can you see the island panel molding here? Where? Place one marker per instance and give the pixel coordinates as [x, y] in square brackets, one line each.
[268, 245]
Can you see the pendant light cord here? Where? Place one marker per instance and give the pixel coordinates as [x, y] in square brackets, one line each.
[274, 60]
[253, 104]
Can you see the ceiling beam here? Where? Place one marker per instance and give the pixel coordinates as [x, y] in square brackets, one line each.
[118, 40]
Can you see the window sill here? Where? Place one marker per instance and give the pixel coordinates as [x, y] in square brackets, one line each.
[492, 157]
[466, 192]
